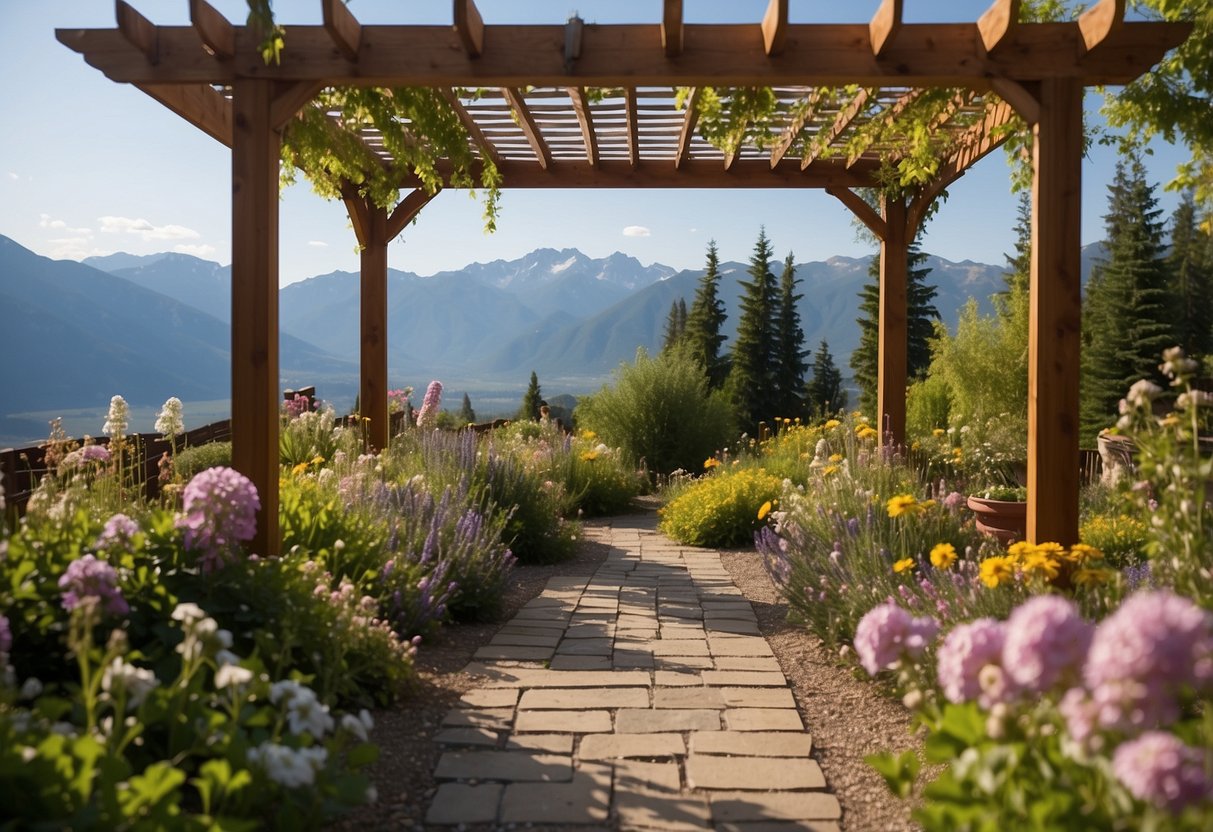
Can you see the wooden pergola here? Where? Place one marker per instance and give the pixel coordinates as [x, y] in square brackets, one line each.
[593, 106]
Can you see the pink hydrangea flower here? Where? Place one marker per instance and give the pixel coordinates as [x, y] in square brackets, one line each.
[1144, 655]
[427, 417]
[87, 577]
[1046, 641]
[221, 507]
[966, 650]
[1160, 769]
[887, 632]
[118, 530]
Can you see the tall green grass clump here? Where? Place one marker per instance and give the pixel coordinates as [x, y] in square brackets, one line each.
[661, 412]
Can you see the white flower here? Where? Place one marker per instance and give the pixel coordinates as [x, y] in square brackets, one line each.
[170, 422]
[354, 725]
[305, 714]
[287, 766]
[188, 613]
[286, 689]
[232, 674]
[1143, 392]
[117, 419]
[136, 681]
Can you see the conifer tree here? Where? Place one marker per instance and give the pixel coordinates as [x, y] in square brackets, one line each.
[672, 332]
[921, 315]
[824, 394]
[706, 318]
[789, 364]
[1019, 265]
[751, 380]
[531, 400]
[1129, 315]
[1191, 271]
[466, 414]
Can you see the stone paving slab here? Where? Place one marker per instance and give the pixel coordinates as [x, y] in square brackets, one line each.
[642, 698]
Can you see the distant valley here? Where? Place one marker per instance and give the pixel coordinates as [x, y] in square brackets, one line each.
[154, 326]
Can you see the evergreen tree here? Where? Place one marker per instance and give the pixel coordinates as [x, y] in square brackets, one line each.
[1019, 265]
[789, 363]
[921, 315]
[751, 380]
[1129, 316]
[824, 394]
[706, 318]
[672, 332]
[1191, 273]
[531, 400]
[466, 414]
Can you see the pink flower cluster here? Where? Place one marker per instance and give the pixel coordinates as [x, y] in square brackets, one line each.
[118, 531]
[887, 633]
[427, 417]
[967, 651]
[221, 507]
[1159, 768]
[87, 577]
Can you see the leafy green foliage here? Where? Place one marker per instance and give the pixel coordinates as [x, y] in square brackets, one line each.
[721, 510]
[660, 412]
[190, 461]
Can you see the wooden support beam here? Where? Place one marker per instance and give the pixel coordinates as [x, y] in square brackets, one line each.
[581, 105]
[884, 26]
[343, 27]
[199, 104]
[893, 338]
[671, 28]
[689, 120]
[138, 31]
[976, 143]
[255, 150]
[888, 117]
[1100, 21]
[927, 54]
[530, 129]
[407, 210]
[357, 207]
[1023, 100]
[372, 389]
[633, 119]
[845, 116]
[487, 148]
[775, 27]
[289, 99]
[470, 27]
[731, 156]
[1055, 316]
[789, 136]
[864, 212]
[218, 35]
[998, 23]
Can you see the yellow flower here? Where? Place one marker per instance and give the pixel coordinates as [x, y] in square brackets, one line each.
[866, 432]
[299, 469]
[1082, 553]
[938, 432]
[835, 457]
[589, 456]
[1092, 577]
[589, 435]
[902, 504]
[829, 469]
[943, 556]
[1019, 550]
[1053, 550]
[831, 424]
[710, 463]
[765, 510]
[997, 569]
[903, 564]
[317, 459]
[1040, 563]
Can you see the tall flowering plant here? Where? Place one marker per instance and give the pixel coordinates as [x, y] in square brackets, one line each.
[427, 416]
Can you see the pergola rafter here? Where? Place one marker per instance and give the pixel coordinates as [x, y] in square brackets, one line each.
[600, 110]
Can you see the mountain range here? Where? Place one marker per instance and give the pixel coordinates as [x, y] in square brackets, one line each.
[154, 326]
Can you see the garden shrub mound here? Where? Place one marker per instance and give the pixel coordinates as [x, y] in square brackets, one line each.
[721, 511]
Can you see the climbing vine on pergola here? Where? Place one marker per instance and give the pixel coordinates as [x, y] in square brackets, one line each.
[372, 112]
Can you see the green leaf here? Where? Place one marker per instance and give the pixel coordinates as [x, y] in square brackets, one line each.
[899, 772]
[363, 754]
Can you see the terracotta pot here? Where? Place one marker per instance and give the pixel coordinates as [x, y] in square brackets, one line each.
[1004, 520]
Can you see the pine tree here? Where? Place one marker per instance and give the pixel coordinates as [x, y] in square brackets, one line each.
[1019, 265]
[672, 333]
[1129, 316]
[1191, 275]
[751, 380]
[921, 315]
[531, 400]
[706, 318]
[789, 364]
[824, 394]
[466, 414]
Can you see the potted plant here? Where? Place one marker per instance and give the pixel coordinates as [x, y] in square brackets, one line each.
[1002, 512]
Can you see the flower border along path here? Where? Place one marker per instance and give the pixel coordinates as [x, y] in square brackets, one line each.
[643, 697]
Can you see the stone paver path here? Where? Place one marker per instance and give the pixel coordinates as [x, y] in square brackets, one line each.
[641, 698]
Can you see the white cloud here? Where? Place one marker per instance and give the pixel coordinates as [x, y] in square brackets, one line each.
[636, 231]
[74, 248]
[47, 221]
[198, 250]
[145, 230]
[694, 230]
[13, 176]
[317, 244]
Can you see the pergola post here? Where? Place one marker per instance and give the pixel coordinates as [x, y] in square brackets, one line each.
[893, 339]
[255, 151]
[1055, 315]
[372, 391]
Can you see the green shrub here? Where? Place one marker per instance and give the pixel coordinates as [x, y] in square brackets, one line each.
[190, 461]
[721, 510]
[660, 411]
[1121, 538]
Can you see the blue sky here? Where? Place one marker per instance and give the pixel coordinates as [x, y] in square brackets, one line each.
[91, 167]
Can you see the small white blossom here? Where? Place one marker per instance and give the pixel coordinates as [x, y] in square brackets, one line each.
[136, 681]
[118, 418]
[187, 613]
[232, 675]
[170, 422]
[288, 766]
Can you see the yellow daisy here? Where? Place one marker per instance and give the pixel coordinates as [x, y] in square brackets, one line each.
[902, 504]
[765, 510]
[903, 564]
[996, 570]
[943, 556]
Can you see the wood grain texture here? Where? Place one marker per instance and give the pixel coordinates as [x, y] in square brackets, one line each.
[342, 27]
[372, 388]
[216, 31]
[893, 349]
